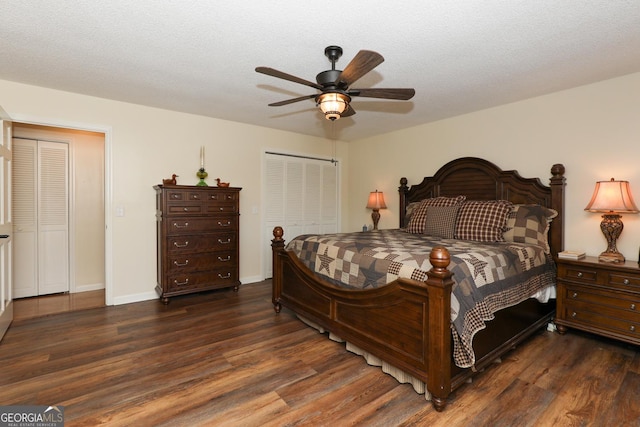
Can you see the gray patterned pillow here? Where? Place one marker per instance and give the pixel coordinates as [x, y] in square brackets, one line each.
[483, 221]
[441, 221]
[530, 224]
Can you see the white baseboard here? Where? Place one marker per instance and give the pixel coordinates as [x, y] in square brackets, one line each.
[128, 299]
[87, 288]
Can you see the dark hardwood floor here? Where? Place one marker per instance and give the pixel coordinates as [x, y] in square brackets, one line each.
[225, 358]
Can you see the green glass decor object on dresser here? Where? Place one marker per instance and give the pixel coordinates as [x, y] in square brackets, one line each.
[599, 297]
[197, 239]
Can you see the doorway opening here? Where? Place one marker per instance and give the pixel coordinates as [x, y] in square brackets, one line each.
[85, 252]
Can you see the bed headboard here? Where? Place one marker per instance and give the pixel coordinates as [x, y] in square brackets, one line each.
[479, 179]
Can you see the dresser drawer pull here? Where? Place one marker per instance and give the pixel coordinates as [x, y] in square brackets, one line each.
[228, 258]
[632, 328]
[574, 295]
[574, 314]
[186, 282]
[186, 262]
[632, 307]
[226, 276]
[185, 209]
[176, 225]
[579, 273]
[195, 196]
[175, 196]
[227, 224]
[221, 209]
[181, 245]
[626, 281]
[222, 242]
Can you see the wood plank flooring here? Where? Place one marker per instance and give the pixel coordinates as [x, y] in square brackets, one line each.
[225, 358]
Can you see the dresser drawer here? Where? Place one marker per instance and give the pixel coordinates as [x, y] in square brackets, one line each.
[184, 209]
[183, 195]
[185, 225]
[187, 282]
[178, 263]
[201, 242]
[223, 196]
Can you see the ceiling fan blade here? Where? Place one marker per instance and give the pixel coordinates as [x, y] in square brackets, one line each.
[291, 101]
[279, 74]
[348, 112]
[402, 94]
[361, 64]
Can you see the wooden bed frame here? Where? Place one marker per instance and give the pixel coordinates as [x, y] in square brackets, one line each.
[371, 319]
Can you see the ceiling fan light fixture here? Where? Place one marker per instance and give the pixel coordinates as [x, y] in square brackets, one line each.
[333, 104]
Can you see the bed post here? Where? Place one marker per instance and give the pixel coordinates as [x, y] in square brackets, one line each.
[439, 284]
[277, 246]
[403, 190]
[557, 184]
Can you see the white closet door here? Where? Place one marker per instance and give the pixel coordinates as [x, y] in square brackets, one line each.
[301, 196]
[41, 212]
[53, 217]
[25, 227]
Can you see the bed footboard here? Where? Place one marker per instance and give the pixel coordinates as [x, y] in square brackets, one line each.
[406, 323]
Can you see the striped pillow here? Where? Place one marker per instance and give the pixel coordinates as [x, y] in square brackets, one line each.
[483, 221]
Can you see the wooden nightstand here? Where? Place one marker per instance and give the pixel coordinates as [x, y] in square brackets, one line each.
[598, 297]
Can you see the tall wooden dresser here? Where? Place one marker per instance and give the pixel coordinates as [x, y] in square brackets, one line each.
[197, 239]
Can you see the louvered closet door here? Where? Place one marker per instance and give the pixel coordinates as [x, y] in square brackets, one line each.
[301, 195]
[41, 212]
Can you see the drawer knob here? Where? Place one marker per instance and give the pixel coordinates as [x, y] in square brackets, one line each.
[186, 282]
[226, 276]
[633, 307]
[579, 273]
[176, 225]
[228, 258]
[574, 295]
[185, 209]
[626, 281]
[186, 262]
[221, 209]
[221, 224]
[223, 242]
[574, 314]
[632, 328]
[181, 245]
[175, 196]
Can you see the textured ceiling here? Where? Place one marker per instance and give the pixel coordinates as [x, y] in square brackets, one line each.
[199, 56]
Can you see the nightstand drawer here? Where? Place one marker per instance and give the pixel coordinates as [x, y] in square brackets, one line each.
[623, 281]
[582, 274]
[578, 316]
[627, 305]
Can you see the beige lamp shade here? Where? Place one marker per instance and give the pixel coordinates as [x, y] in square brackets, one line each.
[612, 196]
[376, 200]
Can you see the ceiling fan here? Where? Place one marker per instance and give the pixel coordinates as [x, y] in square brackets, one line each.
[335, 94]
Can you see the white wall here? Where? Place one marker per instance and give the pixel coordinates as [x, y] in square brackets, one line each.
[593, 130]
[149, 144]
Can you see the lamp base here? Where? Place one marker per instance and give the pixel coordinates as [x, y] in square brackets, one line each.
[611, 257]
[375, 216]
[611, 227]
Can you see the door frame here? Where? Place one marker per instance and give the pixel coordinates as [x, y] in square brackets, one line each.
[108, 202]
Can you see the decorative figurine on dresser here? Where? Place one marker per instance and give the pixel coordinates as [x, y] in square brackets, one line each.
[197, 238]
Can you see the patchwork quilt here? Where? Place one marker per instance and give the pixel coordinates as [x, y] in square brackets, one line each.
[488, 276]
